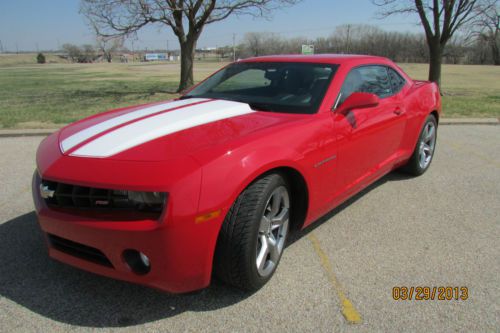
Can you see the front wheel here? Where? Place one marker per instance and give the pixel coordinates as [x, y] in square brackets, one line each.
[253, 234]
[424, 151]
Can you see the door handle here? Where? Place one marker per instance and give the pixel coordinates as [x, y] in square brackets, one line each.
[398, 111]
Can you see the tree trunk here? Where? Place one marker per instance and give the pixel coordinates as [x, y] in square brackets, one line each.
[435, 61]
[188, 47]
[495, 53]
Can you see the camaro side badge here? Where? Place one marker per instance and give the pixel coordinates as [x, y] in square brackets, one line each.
[46, 192]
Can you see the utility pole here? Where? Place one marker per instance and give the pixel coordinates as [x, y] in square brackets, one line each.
[1, 47]
[37, 50]
[348, 38]
[133, 55]
[168, 54]
[17, 48]
[234, 47]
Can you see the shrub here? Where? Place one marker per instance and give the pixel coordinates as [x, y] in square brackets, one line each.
[40, 58]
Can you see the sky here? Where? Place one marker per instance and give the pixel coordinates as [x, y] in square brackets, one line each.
[30, 25]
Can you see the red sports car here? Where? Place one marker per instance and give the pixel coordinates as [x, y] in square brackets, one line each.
[165, 194]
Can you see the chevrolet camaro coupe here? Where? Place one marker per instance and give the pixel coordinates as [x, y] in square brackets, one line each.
[169, 194]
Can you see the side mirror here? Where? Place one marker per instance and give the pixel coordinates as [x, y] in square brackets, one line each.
[358, 100]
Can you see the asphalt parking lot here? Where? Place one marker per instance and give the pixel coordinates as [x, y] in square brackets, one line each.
[441, 229]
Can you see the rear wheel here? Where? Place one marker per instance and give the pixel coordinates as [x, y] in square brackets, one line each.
[424, 150]
[253, 235]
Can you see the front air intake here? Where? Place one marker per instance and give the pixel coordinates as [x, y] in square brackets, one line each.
[79, 250]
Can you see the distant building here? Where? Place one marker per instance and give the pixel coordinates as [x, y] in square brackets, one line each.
[170, 56]
[156, 57]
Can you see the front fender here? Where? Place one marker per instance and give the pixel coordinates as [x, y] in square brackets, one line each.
[224, 178]
[238, 169]
[227, 170]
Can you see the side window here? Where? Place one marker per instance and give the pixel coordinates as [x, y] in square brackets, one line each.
[369, 79]
[397, 81]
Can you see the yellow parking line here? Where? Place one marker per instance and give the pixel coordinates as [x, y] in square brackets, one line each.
[462, 149]
[348, 310]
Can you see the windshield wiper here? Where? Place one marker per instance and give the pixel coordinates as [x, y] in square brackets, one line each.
[187, 97]
[260, 106]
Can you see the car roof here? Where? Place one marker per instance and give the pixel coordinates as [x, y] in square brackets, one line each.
[322, 58]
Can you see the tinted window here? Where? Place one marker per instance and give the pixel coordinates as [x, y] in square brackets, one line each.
[369, 79]
[397, 81]
[252, 78]
[270, 86]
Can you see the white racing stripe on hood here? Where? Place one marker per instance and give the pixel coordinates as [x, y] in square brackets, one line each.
[157, 126]
[87, 133]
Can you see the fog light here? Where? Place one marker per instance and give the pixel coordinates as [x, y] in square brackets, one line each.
[144, 259]
[138, 262]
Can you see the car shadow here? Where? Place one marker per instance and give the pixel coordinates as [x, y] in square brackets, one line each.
[393, 176]
[62, 293]
[51, 289]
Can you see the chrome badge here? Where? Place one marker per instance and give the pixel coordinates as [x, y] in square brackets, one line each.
[46, 192]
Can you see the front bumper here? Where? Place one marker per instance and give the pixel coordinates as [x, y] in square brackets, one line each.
[180, 253]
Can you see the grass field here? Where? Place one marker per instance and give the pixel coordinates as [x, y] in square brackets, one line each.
[469, 90]
[34, 96]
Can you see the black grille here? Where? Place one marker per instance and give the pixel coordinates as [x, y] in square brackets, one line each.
[79, 250]
[94, 199]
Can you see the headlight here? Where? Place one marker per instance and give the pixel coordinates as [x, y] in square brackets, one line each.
[152, 201]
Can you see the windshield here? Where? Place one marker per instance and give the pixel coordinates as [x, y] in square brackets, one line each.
[267, 86]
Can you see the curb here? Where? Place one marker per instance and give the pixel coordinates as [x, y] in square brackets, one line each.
[14, 133]
[469, 121]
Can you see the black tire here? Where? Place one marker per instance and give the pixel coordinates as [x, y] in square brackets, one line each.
[413, 166]
[237, 243]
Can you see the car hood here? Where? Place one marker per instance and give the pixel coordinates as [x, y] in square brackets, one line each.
[165, 130]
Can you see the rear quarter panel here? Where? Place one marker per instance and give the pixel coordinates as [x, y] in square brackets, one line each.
[420, 98]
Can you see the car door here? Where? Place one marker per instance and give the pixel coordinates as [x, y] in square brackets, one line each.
[368, 138]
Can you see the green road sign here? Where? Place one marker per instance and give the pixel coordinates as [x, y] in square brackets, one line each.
[307, 49]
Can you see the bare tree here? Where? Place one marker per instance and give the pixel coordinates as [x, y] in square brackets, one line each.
[89, 54]
[254, 41]
[186, 18]
[73, 52]
[440, 19]
[84, 54]
[109, 45]
[265, 43]
[486, 26]
[365, 39]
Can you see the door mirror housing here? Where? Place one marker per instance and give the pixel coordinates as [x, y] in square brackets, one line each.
[358, 100]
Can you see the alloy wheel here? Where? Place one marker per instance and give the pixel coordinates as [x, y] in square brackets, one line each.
[273, 230]
[427, 144]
